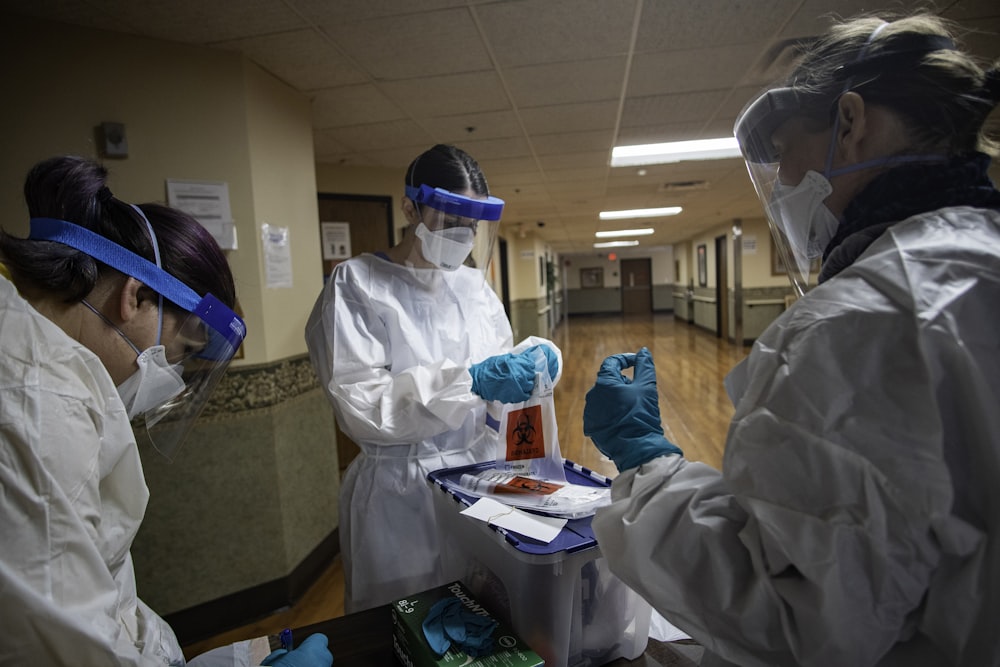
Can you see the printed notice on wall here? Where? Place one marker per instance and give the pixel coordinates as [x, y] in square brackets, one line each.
[277, 256]
[208, 203]
[336, 240]
[749, 245]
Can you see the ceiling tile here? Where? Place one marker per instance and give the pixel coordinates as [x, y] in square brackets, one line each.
[570, 117]
[380, 136]
[486, 125]
[675, 26]
[494, 149]
[303, 58]
[415, 45]
[671, 109]
[570, 160]
[564, 83]
[569, 142]
[448, 95]
[346, 11]
[671, 72]
[352, 105]
[531, 32]
[202, 22]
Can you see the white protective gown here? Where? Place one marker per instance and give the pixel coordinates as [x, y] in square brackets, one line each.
[72, 495]
[857, 518]
[392, 346]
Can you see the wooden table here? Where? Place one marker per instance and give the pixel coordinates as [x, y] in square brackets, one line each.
[364, 639]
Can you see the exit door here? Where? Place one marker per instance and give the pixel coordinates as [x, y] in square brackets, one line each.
[369, 220]
[637, 289]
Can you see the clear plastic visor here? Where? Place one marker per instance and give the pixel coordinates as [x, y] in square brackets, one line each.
[792, 257]
[754, 130]
[455, 232]
[199, 346]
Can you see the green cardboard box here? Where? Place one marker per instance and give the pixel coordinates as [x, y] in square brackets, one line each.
[411, 648]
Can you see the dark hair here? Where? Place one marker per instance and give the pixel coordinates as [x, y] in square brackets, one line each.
[447, 167]
[910, 66]
[74, 189]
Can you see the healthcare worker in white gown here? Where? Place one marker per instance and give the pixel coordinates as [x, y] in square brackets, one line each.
[108, 311]
[856, 520]
[410, 344]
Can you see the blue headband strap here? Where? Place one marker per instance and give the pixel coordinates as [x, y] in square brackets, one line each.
[115, 256]
[489, 208]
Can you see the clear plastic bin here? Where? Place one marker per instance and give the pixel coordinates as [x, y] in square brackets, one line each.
[561, 597]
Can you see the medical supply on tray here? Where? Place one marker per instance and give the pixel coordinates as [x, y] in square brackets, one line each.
[446, 617]
[568, 500]
[559, 596]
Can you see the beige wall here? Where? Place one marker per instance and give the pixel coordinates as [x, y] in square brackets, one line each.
[190, 113]
[283, 179]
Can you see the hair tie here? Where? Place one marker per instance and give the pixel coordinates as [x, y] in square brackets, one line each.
[103, 195]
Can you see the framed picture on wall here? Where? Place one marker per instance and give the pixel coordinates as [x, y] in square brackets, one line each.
[778, 266]
[702, 265]
[593, 277]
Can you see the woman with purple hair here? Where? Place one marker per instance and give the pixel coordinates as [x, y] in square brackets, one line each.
[113, 316]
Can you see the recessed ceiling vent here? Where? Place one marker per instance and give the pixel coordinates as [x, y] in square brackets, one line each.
[683, 186]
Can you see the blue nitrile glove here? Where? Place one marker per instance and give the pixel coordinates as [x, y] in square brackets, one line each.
[622, 415]
[550, 356]
[451, 622]
[508, 378]
[312, 652]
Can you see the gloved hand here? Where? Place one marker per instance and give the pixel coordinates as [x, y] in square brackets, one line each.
[550, 357]
[508, 378]
[450, 622]
[312, 652]
[622, 415]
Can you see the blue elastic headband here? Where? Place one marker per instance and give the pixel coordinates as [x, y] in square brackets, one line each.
[489, 208]
[212, 311]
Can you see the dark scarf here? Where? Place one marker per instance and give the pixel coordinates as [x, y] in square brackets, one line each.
[903, 192]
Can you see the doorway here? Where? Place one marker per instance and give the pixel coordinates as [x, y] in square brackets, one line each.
[637, 286]
[369, 227]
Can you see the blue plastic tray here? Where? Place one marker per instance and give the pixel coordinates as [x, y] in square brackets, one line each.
[576, 535]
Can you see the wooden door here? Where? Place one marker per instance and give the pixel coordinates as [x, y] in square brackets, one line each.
[369, 220]
[637, 289]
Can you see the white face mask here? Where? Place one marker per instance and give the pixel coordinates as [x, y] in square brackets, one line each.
[153, 384]
[806, 221]
[446, 248]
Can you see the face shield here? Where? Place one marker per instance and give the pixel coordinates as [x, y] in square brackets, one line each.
[200, 335]
[454, 230]
[789, 207]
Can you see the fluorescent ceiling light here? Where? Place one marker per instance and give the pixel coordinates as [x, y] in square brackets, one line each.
[640, 213]
[624, 232]
[675, 151]
[615, 244]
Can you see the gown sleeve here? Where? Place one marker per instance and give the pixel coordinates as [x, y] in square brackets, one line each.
[350, 350]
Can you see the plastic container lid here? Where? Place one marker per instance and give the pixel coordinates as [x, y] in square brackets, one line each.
[576, 535]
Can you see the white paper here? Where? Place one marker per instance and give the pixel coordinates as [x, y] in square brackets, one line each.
[541, 528]
[208, 203]
[336, 240]
[277, 255]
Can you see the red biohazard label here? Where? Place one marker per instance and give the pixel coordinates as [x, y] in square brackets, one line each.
[525, 435]
[519, 484]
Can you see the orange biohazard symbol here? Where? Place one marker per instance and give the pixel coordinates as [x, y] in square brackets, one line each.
[525, 435]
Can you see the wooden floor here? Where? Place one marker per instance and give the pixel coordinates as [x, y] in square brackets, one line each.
[690, 366]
